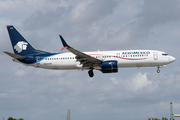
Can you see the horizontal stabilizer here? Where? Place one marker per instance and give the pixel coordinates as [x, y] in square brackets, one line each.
[14, 55]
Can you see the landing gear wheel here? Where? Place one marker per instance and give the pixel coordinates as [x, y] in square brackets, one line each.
[158, 71]
[90, 72]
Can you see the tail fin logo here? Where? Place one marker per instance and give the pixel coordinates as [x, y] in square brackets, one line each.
[21, 45]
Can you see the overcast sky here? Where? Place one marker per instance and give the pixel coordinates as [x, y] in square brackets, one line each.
[90, 25]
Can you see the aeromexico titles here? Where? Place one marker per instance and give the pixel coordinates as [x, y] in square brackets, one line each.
[104, 61]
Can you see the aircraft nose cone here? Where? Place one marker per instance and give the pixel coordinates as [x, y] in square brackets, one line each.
[173, 59]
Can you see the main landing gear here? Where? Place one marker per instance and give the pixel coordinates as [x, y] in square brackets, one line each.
[158, 70]
[90, 72]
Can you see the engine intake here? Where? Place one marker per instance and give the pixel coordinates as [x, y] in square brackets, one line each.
[109, 66]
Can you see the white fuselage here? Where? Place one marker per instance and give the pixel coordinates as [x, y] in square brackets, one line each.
[125, 58]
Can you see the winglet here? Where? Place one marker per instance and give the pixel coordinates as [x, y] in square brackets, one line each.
[64, 43]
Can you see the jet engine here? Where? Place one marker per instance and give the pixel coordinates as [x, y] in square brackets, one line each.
[109, 66]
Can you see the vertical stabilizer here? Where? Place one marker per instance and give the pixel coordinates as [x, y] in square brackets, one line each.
[19, 43]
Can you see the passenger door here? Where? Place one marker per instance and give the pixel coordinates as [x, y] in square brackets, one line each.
[155, 55]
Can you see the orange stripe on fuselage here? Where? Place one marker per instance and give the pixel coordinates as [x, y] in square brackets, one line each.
[119, 57]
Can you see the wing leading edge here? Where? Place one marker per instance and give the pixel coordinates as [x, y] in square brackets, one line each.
[83, 58]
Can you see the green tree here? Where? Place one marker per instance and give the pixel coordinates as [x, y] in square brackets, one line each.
[21, 119]
[163, 118]
[153, 118]
[11, 118]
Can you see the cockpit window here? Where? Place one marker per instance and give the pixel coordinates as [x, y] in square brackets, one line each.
[165, 54]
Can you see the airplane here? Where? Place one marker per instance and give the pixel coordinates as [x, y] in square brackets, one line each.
[104, 61]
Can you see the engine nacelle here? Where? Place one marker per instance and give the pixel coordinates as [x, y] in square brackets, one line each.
[109, 66]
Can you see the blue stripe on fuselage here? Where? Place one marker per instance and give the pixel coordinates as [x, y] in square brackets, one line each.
[42, 57]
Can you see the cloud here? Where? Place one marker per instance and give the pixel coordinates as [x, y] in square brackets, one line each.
[114, 81]
[20, 73]
[158, 13]
[152, 14]
[39, 20]
[139, 81]
[83, 12]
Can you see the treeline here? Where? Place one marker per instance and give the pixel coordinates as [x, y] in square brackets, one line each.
[11, 118]
[158, 118]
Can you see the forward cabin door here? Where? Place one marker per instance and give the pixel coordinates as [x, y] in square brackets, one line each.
[155, 55]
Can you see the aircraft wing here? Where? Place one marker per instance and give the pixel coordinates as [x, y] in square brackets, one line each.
[14, 55]
[83, 58]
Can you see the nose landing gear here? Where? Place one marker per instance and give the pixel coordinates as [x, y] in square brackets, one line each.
[158, 70]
